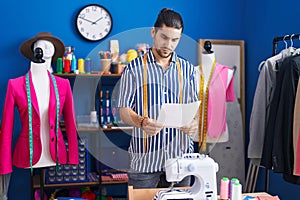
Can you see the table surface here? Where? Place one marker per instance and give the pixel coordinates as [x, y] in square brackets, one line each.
[149, 193]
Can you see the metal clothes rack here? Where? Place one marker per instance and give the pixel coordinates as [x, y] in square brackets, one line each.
[283, 38]
[275, 42]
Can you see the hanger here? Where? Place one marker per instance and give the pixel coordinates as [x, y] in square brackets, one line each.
[286, 44]
[297, 51]
[291, 48]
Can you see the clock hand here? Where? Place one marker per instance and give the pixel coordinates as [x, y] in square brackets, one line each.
[87, 20]
[97, 20]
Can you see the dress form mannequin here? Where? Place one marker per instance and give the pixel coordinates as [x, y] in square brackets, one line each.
[39, 71]
[208, 59]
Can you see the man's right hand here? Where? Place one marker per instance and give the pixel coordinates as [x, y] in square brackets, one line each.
[151, 127]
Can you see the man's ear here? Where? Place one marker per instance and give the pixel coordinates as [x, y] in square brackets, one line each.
[153, 31]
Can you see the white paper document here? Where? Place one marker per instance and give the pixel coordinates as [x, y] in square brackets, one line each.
[177, 115]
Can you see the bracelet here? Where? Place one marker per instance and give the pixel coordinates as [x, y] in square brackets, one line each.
[142, 121]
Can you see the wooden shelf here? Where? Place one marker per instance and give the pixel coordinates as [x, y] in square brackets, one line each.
[36, 183]
[87, 75]
[91, 129]
[113, 182]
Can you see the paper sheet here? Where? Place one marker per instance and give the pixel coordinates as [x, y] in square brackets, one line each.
[177, 115]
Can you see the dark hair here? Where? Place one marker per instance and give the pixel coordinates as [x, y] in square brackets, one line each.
[170, 18]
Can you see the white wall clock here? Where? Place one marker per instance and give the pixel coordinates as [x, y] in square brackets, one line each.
[94, 22]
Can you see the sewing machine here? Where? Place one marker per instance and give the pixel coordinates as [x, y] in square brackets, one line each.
[202, 167]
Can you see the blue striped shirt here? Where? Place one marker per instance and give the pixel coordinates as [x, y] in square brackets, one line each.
[163, 86]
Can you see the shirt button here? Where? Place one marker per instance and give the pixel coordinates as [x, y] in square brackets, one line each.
[51, 127]
[52, 139]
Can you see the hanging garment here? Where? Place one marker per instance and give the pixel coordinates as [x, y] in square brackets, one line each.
[278, 140]
[16, 96]
[261, 103]
[296, 132]
[219, 94]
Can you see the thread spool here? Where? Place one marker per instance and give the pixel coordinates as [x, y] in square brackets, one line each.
[232, 182]
[73, 64]
[67, 66]
[81, 66]
[236, 193]
[224, 188]
[87, 65]
[94, 117]
[59, 65]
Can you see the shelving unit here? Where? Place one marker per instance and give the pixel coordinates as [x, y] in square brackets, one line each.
[83, 96]
[37, 185]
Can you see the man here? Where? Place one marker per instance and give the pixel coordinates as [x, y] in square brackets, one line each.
[159, 76]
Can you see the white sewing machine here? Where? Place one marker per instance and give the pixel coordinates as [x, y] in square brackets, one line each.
[202, 167]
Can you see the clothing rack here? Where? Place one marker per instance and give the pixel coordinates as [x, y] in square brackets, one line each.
[275, 42]
[283, 38]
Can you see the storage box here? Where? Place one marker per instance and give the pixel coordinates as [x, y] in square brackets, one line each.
[70, 173]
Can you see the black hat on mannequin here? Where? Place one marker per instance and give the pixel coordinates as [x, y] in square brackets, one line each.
[27, 47]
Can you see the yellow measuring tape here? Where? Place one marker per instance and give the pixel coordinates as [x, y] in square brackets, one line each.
[202, 128]
[145, 91]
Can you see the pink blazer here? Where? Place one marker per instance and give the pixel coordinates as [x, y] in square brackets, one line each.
[218, 95]
[16, 97]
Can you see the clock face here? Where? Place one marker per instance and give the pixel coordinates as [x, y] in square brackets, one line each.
[94, 22]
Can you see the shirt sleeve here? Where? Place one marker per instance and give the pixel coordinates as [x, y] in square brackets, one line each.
[127, 89]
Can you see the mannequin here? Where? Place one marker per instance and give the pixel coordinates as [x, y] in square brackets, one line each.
[208, 69]
[42, 99]
[207, 59]
[39, 67]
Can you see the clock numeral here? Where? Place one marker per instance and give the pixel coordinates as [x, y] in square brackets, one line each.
[87, 34]
[81, 29]
[94, 8]
[87, 10]
[82, 16]
[94, 37]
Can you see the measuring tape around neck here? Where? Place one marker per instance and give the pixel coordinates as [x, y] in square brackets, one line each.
[202, 127]
[145, 91]
[30, 119]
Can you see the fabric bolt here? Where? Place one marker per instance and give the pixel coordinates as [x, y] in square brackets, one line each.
[163, 87]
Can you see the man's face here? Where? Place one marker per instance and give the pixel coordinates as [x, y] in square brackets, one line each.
[165, 40]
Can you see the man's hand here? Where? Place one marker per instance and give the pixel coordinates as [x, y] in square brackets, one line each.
[151, 127]
[191, 128]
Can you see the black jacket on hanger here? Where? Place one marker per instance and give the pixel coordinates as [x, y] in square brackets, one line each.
[278, 143]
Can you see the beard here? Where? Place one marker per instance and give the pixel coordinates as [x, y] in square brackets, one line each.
[164, 53]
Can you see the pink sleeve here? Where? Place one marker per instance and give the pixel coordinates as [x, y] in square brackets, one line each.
[70, 123]
[7, 131]
[230, 96]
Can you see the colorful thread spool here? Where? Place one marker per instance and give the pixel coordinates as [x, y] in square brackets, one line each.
[224, 188]
[236, 193]
[59, 65]
[73, 64]
[232, 182]
[87, 65]
[67, 66]
[81, 66]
